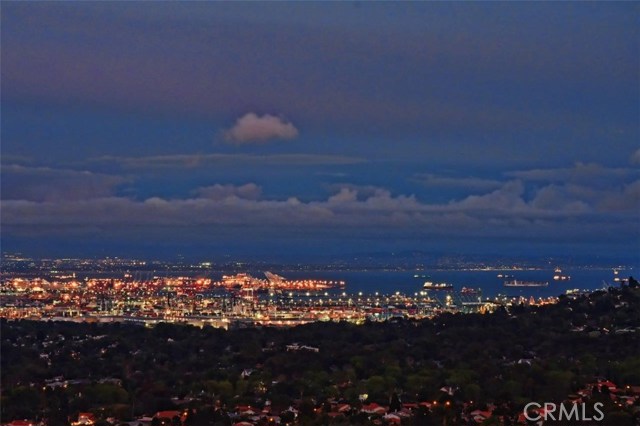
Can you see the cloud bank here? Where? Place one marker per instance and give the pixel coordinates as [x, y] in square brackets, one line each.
[536, 206]
[552, 211]
[46, 184]
[249, 191]
[192, 161]
[470, 183]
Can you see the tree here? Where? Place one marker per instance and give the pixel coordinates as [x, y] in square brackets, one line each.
[394, 402]
[619, 418]
[376, 387]
[287, 417]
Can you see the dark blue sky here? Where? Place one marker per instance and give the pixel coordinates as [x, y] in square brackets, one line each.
[287, 128]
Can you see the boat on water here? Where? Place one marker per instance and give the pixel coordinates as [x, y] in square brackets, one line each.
[616, 277]
[559, 276]
[470, 290]
[429, 285]
[521, 283]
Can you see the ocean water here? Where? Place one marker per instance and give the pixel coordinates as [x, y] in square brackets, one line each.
[389, 282]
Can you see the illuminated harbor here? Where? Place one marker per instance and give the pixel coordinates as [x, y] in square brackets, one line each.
[275, 283]
[237, 301]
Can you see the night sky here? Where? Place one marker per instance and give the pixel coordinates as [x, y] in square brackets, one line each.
[307, 129]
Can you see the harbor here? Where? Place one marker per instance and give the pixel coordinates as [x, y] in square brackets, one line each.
[249, 299]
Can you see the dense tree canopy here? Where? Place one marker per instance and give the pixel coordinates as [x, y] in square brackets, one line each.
[508, 357]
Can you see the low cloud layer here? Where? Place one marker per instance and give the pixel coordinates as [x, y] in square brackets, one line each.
[192, 161]
[470, 183]
[580, 172]
[569, 204]
[45, 184]
[551, 211]
[252, 128]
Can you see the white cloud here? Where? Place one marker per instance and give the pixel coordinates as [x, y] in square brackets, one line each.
[505, 199]
[621, 201]
[635, 157]
[249, 191]
[345, 195]
[558, 197]
[252, 128]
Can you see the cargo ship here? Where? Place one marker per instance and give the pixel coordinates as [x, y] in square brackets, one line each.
[521, 283]
[429, 285]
